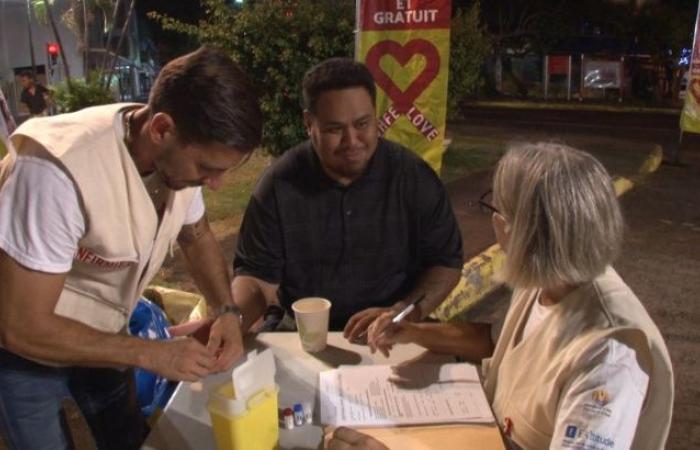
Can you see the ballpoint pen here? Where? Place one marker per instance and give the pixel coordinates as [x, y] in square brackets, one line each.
[397, 318]
[407, 310]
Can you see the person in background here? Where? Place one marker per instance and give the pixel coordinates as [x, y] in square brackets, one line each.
[34, 95]
[579, 362]
[346, 215]
[90, 204]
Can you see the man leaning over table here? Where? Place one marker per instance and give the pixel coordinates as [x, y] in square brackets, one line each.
[90, 203]
[346, 215]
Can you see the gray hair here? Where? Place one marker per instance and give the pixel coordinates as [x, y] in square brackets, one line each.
[565, 224]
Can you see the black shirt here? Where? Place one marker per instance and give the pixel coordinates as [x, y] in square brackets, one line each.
[359, 246]
[35, 103]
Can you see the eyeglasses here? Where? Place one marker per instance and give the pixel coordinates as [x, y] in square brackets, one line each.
[484, 203]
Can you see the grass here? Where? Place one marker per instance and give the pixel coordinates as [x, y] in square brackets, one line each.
[229, 202]
[469, 154]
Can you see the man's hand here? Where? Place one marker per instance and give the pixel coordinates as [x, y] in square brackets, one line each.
[208, 268]
[349, 439]
[225, 341]
[180, 359]
[356, 327]
[222, 337]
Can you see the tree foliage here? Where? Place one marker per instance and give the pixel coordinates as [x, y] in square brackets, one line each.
[666, 26]
[78, 16]
[469, 47]
[275, 41]
[82, 94]
[535, 26]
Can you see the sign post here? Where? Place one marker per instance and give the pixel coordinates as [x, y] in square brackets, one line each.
[557, 65]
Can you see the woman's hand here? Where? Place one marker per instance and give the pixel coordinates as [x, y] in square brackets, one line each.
[382, 334]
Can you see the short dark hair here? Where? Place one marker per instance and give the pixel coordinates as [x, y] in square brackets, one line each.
[26, 74]
[333, 74]
[210, 100]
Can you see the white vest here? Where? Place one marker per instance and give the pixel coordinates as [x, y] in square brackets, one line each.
[123, 246]
[524, 378]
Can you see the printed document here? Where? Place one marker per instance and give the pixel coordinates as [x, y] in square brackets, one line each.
[419, 394]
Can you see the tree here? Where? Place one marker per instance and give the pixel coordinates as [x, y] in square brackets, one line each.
[535, 26]
[663, 27]
[469, 47]
[80, 14]
[276, 41]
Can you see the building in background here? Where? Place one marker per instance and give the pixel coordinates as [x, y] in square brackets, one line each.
[23, 27]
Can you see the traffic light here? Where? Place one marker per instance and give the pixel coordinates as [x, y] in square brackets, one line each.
[52, 49]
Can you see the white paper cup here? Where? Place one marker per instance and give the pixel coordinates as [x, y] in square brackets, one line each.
[311, 315]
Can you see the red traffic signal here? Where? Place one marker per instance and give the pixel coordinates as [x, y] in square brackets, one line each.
[52, 49]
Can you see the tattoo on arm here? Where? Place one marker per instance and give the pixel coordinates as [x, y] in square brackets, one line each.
[192, 232]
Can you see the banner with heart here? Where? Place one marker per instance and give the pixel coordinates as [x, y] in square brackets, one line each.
[690, 115]
[406, 46]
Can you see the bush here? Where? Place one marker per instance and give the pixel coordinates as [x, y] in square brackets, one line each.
[276, 41]
[82, 94]
[469, 47]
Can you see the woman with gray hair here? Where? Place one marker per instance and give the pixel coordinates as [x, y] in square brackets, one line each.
[579, 362]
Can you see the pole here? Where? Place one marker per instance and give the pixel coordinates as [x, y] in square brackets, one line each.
[568, 78]
[52, 22]
[31, 38]
[677, 154]
[546, 77]
[580, 94]
[691, 76]
[86, 41]
[622, 78]
[358, 11]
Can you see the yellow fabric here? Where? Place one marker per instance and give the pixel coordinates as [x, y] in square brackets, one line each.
[414, 129]
[690, 115]
[478, 280]
[180, 306]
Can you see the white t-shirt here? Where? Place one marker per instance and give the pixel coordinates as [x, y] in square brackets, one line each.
[600, 407]
[41, 220]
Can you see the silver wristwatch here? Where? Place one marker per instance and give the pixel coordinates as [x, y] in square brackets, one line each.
[233, 309]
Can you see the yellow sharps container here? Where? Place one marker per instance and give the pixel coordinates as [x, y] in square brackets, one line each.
[244, 412]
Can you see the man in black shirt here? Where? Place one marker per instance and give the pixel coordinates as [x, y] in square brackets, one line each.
[34, 95]
[347, 215]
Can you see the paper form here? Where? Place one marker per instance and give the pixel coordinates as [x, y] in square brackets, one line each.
[367, 396]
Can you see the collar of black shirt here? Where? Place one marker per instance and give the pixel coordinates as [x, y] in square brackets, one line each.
[376, 168]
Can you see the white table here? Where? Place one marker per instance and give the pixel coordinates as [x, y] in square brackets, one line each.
[185, 423]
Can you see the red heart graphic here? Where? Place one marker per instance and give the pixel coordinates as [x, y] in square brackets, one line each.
[403, 100]
[695, 89]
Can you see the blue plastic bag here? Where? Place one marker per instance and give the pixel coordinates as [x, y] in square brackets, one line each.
[153, 391]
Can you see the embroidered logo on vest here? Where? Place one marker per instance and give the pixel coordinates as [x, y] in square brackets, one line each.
[598, 406]
[87, 256]
[601, 397]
